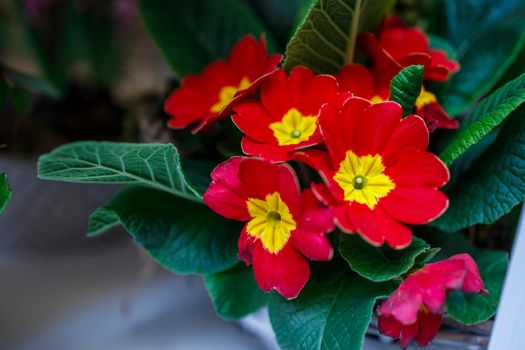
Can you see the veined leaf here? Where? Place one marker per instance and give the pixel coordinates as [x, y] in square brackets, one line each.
[183, 236]
[379, 264]
[493, 185]
[234, 292]
[152, 165]
[405, 87]
[100, 221]
[488, 114]
[325, 41]
[192, 33]
[5, 192]
[327, 316]
[488, 37]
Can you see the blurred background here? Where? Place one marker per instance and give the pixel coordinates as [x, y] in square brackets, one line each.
[88, 70]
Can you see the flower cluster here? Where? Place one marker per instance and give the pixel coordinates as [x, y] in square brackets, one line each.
[378, 176]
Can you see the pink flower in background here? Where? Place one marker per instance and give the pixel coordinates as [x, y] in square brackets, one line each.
[415, 309]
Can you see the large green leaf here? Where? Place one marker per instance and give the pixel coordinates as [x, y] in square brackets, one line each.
[379, 264]
[153, 165]
[405, 87]
[325, 41]
[488, 114]
[183, 236]
[493, 185]
[192, 33]
[234, 292]
[470, 309]
[327, 316]
[5, 192]
[488, 36]
[102, 220]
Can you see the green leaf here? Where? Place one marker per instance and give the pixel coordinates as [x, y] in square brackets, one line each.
[234, 292]
[471, 309]
[192, 33]
[100, 221]
[327, 316]
[279, 16]
[488, 37]
[5, 192]
[22, 99]
[30, 83]
[325, 41]
[405, 87]
[488, 114]
[379, 264]
[183, 236]
[493, 185]
[153, 165]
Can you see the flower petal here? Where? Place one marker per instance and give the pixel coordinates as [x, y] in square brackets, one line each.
[416, 206]
[226, 195]
[287, 271]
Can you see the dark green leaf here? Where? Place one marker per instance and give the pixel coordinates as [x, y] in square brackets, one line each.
[327, 316]
[192, 33]
[471, 309]
[234, 292]
[31, 83]
[21, 99]
[153, 165]
[5, 192]
[279, 16]
[100, 221]
[488, 36]
[488, 114]
[405, 87]
[183, 236]
[4, 91]
[379, 264]
[493, 185]
[325, 41]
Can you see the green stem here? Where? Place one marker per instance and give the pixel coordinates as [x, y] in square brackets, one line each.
[353, 33]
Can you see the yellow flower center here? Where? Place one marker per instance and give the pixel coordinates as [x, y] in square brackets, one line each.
[377, 99]
[425, 97]
[271, 221]
[227, 94]
[362, 179]
[294, 128]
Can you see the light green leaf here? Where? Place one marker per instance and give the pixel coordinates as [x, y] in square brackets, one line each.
[488, 37]
[327, 316]
[488, 114]
[5, 192]
[405, 87]
[379, 264]
[153, 165]
[100, 221]
[192, 33]
[325, 41]
[493, 185]
[234, 292]
[183, 236]
[471, 309]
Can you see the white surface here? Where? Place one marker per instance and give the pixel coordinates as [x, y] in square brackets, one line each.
[509, 329]
[76, 302]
